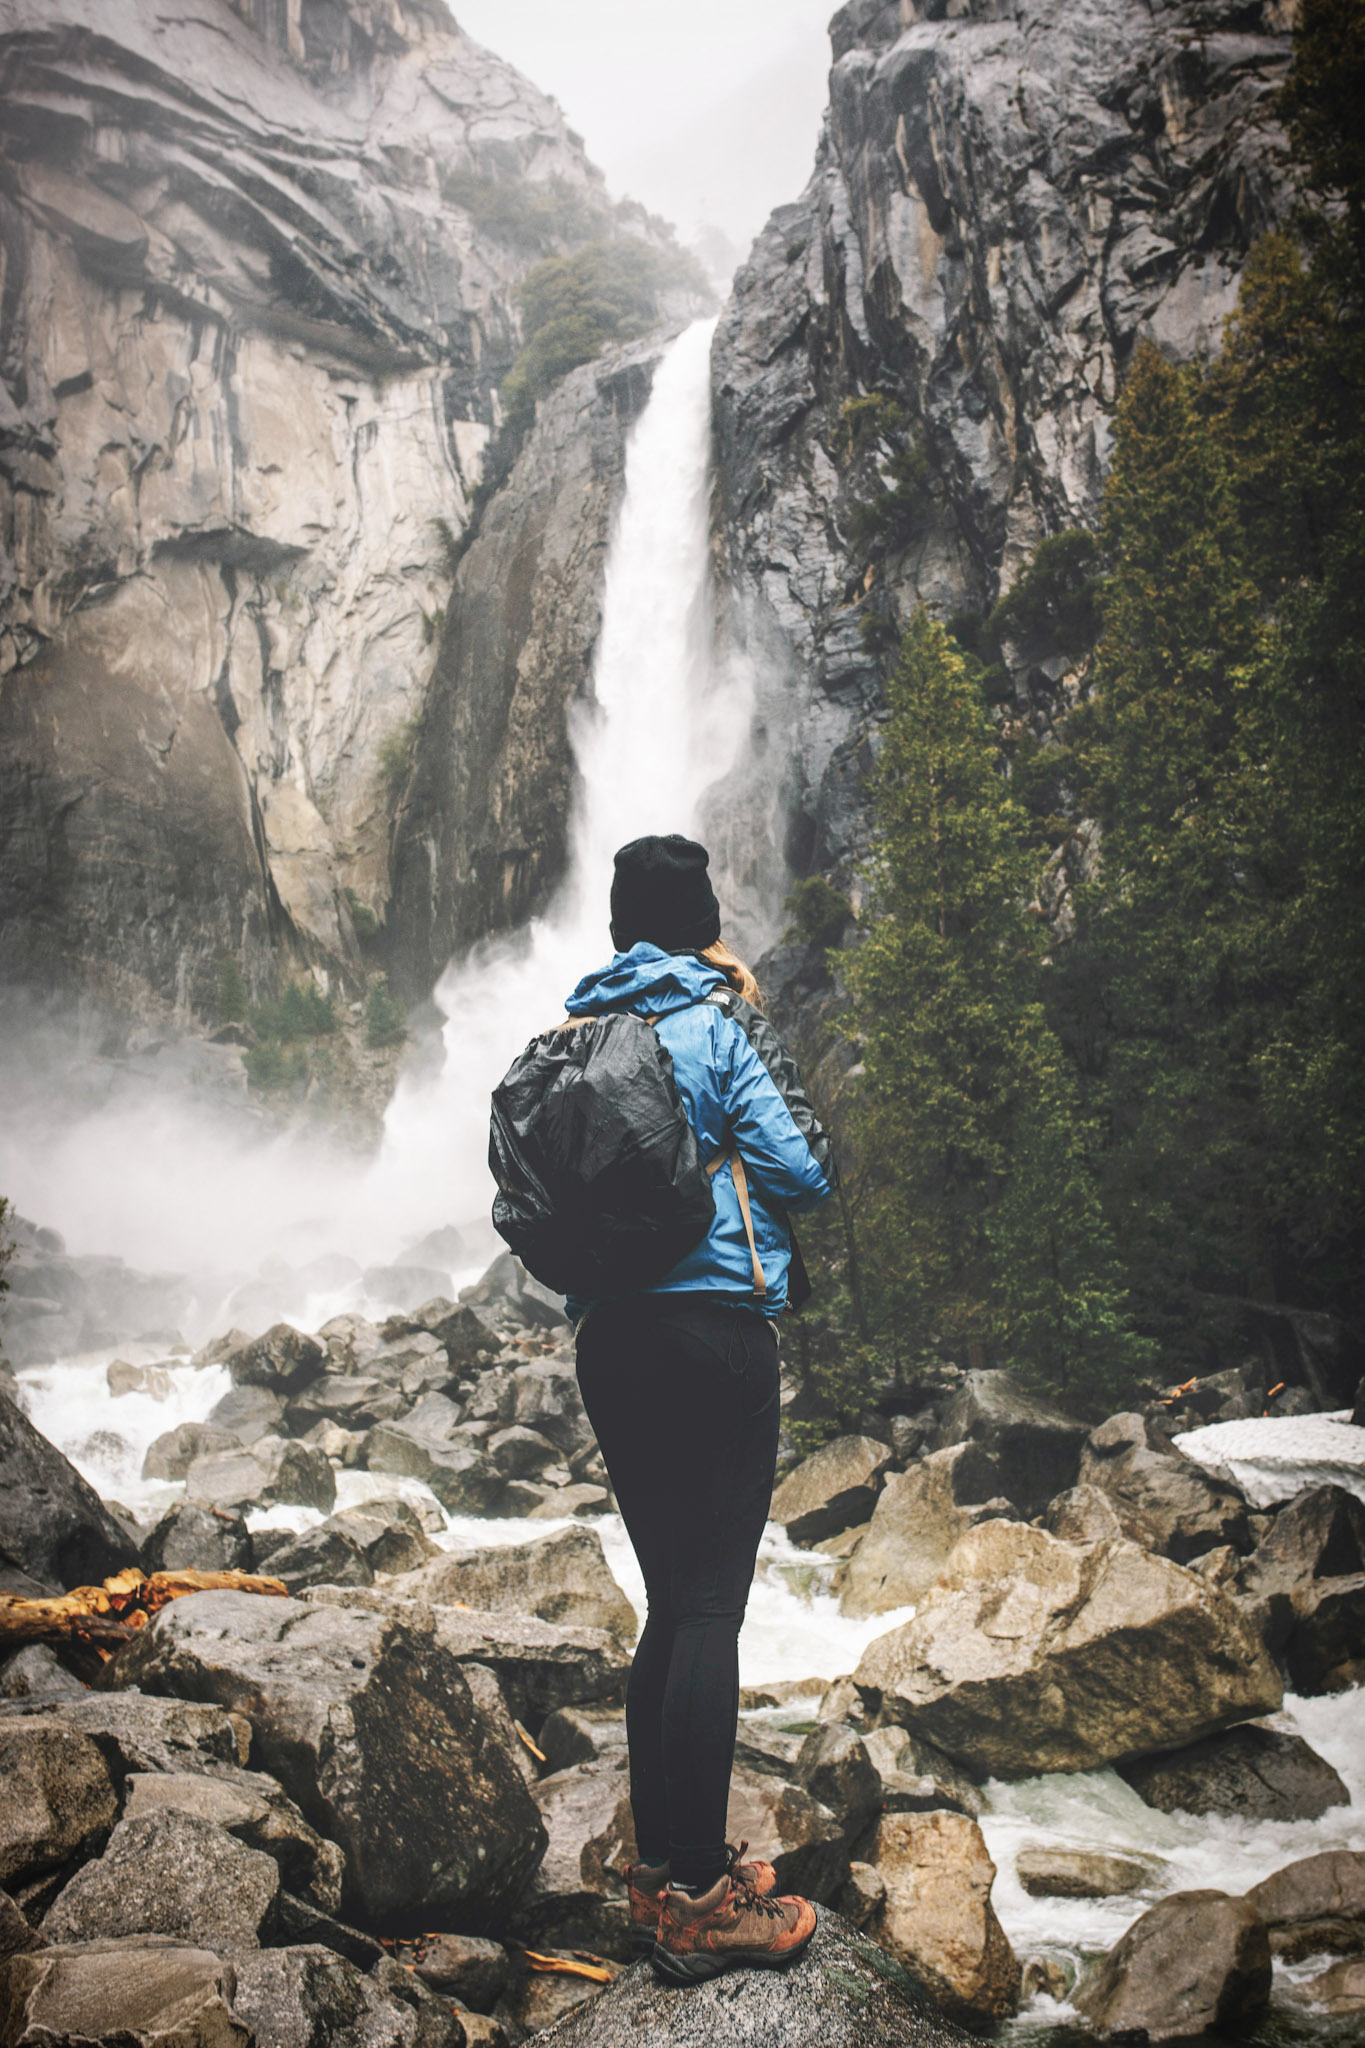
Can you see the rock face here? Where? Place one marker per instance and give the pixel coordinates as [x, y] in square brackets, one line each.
[1196, 1963]
[144, 1991]
[370, 1727]
[937, 1918]
[54, 1529]
[252, 1807]
[1008, 196]
[1036, 1655]
[919, 1518]
[846, 1992]
[1036, 1449]
[257, 313]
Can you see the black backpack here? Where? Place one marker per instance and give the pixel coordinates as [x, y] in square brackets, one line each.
[601, 1188]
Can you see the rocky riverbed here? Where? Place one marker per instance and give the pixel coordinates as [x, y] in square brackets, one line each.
[1037, 1711]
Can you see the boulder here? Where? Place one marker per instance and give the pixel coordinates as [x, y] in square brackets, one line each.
[1083, 1514]
[1252, 1772]
[356, 1402]
[833, 1490]
[1036, 1449]
[300, 1996]
[17, 1938]
[805, 1843]
[325, 1556]
[274, 1472]
[1046, 1872]
[53, 1526]
[1338, 1991]
[862, 1894]
[577, 1898]
[57, 1799]
[835, 1768]
[846, 1992]
[134, 1733]
[545, 1398]
[1163, 1501]
[193, 1538]
[1326, 1647]
[1196, 1963]
[520, 1453]
[249, 1412]
[563, 1578]
[581, 1499]
[1314, 1906]
[388, 1534]
[1305, 1582]
[468, 1966]
[536, 1999]
[570, 1736]
[921, 1515]
[1035, 1655]
[370, 1727]
[915, 1777]
[170, 1455]
[169, 1872]
[460, 1477]
[252, 1807]
[461, 1333]
[35, 1673]
[937, 1919]
[142, 1993]
[351, 1341]
[122, 1377]
[283, 1361]
[494, 1398]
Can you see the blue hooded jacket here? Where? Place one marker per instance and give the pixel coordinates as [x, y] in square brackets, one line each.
[740, 1088]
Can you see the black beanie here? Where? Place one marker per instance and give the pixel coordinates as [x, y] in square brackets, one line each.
[660, 892]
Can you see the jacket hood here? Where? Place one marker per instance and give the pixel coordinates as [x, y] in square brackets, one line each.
[646, 979]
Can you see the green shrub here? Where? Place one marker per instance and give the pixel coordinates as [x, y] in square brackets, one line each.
[365, 923]
[534, 219]
[397, 752]
[385, 1023]
[230, 997]
[818, 913]
[301, 1011]
[1055, 599]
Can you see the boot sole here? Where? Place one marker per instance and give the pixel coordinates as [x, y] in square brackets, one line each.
[699, 1968]
[641, 1940]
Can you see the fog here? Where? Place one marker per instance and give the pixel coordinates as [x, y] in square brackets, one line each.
[708, 114]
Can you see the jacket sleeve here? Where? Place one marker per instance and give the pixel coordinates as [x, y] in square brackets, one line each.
[777, 1131]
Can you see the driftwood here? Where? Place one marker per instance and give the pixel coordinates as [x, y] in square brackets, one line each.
[101, 1619]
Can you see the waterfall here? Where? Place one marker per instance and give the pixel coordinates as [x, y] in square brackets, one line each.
[660, 729]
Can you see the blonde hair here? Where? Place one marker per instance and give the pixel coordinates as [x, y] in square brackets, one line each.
[741, 978]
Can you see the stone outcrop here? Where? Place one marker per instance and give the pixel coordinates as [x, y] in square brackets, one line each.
[563, 1577]
[1036, 1655]
[920, 1516]
[1035, 1448]
[937, 1918]
[1196, 1963]
[305, 1993]
[250, 1806]
[1305, 1584]
[1009, 195]
[55, 1532]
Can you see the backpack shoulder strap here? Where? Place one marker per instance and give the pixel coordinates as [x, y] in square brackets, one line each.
[741, 1180]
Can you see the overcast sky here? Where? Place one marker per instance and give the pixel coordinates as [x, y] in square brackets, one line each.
[708, 112]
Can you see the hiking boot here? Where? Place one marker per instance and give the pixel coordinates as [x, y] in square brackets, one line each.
[648, 1882]
[730, 1927]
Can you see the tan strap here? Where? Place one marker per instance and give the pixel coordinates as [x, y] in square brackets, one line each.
[741, 1180]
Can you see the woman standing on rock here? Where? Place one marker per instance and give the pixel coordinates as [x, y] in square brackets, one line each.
[681, 1386]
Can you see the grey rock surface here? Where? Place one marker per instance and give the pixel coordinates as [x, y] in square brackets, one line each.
[136, 1733]
[57, 1799]
[1314, 1905]
[53, 1525]
[577, 1898]
[251, 1806]
[304, 1995]
[1163, 1500]
[141, 1993]
[193, 1538]
[562, 1577]
[1195, 1963]
[1046, 1872]
[920, 1516]
[846, 1992]
[170, 1872]
[1251, 1772]
[1035, 1447]
[170, 1455]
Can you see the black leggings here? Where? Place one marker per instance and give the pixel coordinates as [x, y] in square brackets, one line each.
[683, 1395]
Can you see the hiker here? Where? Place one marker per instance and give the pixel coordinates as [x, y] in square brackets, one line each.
[680, 1382]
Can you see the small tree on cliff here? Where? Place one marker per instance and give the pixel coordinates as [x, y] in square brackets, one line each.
[982, 1230]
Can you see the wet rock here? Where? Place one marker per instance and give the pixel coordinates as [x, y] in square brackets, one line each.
[1083, 1514]
[862, 1895]
[274, 1472]
[937, 1919]
[36, 1673]
[250, 1413]
[921, 1515]
[1314, 1906]
[369, 1726]
[283, 1361]
[1035, 1655]
[294, 1996]
[170, 1456]
[1056, 1873]
[1338, 1991]
[354, 1402]
[388, 1534]
[1305, 1583]
[193, 1538]
[577, 1898]
[325, 1556]
[846, 1992]
[351, 1341]
[1251, 1772]
[1163, 1501]
[563, 1578]
[1035, 1448]
[465, 1337]
[121, 1377]
[805, 1843]
[535, 1999]
[832, 1490]
[471, 1968]
[1197, 1962]
[917, 1778]
[460, 1477]
[57, 1800]
[134, 1733]
[546, 1398]
[142, 1993]
[17, 1938]
[250, 1806]
[53, 1527]
[170, 1872]
[835, 1768]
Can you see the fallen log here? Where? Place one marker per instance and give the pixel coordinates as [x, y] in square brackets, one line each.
[102, 1618]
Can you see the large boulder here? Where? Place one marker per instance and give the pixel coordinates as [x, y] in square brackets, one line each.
[460, 1477]
[834, 1767]
[1048, 1872]
[1305, 1582]
[577, 1898]
[937, 1918]
[463, 1334]
[193, 1538]
[144, 1993]
[1196, 1963]
[1035, 1655]
[134, 1733]
[301, 1996]
[273, 1472]
[834, 1489]
[1251, 1772]
[562, 1577]
[845, 1992]
[1035, 1447]
[1314, 1906]
[545, 1398]
[325, 1556]
[1163, 1501]
[249, 1412]
[170, 1872]
[806, 1844]
[250, 1806]
[921, 1515]
[370, 1727]
[170, 1455]
[388, 1534]
[283, 1361]
[53, 1526]
[57, 1799]
[915, 1777]
[355, 1401]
